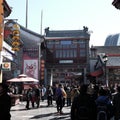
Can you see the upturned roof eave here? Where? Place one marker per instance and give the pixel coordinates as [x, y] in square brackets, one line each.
[6, 6]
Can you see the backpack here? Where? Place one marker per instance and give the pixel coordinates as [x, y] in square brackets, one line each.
[102, 112]
[83, 110]
[82, 113]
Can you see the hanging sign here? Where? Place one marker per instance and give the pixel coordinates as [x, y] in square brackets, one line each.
[6, 66]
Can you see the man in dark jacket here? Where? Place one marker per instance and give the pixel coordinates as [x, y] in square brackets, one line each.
[116, 104]
[83, 106]
[5, 103]
[104, 103]
[59, 99]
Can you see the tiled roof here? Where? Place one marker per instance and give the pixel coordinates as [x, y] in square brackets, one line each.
[113, 62]
[7, 9]
[114, 50]
[29, 38]
[67, 33]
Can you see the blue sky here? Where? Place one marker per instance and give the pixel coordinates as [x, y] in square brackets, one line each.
[98, 15]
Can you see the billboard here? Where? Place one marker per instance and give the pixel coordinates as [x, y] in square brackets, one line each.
[31, 68]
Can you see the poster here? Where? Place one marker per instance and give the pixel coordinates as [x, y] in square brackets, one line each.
[31, 68]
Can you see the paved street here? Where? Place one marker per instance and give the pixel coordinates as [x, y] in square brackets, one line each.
[19, 112]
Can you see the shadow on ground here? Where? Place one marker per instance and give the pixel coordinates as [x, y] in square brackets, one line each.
[56, 117]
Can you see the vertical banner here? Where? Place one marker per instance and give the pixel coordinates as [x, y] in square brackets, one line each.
[31, 68]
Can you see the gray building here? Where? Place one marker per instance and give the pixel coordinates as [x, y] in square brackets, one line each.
[113, 40]
[110, 68]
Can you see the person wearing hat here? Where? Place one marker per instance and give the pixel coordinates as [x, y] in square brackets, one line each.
[5, 102]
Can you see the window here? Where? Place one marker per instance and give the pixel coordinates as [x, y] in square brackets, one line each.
[66, 53]
[57, 42]
[58, 46]
[74, 53]
[50, 46]
[65, 46]
[82, 53]
[71, 53]
[82, 45]
[60, 54]
[50, 42]
[66, 42]
[57, 53]
[73, 46]
[81, 41]
[75, 42]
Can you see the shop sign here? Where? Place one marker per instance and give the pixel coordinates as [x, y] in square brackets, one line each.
[6, 66]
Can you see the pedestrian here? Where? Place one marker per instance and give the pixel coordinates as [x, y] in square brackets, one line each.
[68, 92]
[83, 106]
[116, 104]
[33, 99]
[74, 92]
[5, 102]
[49, 94]
[104, 104]
[37, 96]
[64, 95]
[43, 92]
[59, 99]
[28, 97]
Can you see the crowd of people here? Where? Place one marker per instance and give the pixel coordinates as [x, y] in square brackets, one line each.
[86, 102]
[34, 95]
[92, 99]
[96, 103]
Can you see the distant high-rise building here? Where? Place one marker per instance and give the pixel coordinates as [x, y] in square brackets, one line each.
[113, 40]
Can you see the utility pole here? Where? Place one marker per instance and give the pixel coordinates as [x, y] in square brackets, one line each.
[41, 21]
[39, 44]
[26, 13]
[39, 59]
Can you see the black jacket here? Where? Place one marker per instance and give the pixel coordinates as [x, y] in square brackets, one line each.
[5, 106]
[83, 100]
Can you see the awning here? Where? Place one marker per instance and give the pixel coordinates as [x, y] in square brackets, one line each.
[96, 73]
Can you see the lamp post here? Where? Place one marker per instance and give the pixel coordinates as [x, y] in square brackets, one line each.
[105, 59]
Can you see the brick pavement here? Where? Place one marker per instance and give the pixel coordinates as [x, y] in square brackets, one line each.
[19, 112]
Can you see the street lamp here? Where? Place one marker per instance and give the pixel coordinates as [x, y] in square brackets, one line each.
[105, 59]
